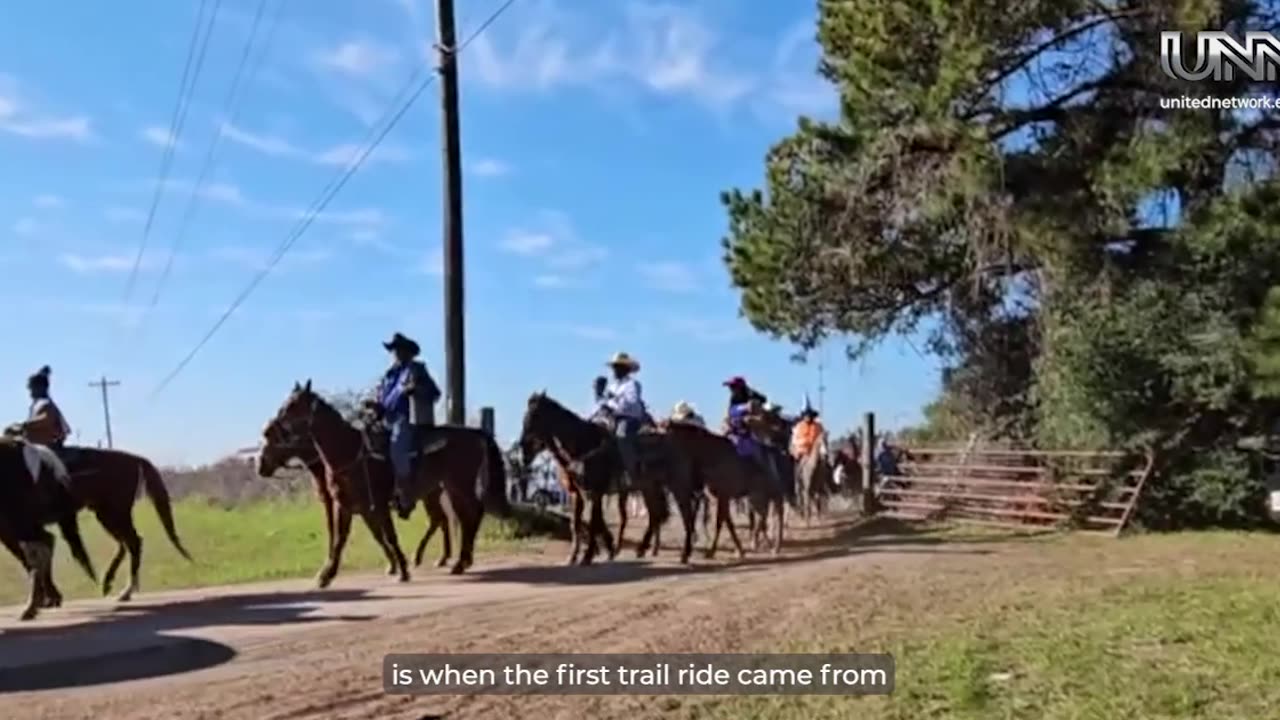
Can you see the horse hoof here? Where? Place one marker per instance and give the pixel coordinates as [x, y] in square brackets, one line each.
[404, 578]
[106, 589]
[125, 596]
[457, 569]
[442, 562]
[28, 614]
[323, 581]
[392, 570]
[53, 602]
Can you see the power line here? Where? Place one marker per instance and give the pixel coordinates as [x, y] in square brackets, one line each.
[231, 110]
[190, 74]
[104, 384]
[326, 196]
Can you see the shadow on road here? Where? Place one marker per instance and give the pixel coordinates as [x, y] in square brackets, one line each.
[139, 641]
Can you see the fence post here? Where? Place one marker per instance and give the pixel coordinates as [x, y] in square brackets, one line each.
[869, 503]
[486, 419]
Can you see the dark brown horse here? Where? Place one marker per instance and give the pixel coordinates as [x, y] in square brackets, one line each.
[33, 489]
[279, 447]
[589, 455]
[360, 479]
[107, 482]
[727, 476]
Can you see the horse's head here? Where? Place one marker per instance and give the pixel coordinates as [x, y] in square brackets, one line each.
[298, 412]
[533, 430]
[279, 446]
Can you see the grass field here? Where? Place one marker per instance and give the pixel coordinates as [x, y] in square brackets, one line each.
[1071, 628]
[259, 541]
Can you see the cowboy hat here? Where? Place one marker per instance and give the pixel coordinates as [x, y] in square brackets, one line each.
[735, 381]
[398, 342]
[621, 359]
[682, 409]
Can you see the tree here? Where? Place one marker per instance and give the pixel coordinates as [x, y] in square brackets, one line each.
[1091, 264]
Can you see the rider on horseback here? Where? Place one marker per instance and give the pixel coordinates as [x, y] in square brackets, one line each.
[622, 404]
[807, 433]
[405, 402]
[45, 423]
[745, 410]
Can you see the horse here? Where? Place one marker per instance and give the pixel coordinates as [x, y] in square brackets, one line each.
[727, 476]
[107, 481]
[589, 457]
[279, 447]
[34, 486]
[813, 481]
[361, 479]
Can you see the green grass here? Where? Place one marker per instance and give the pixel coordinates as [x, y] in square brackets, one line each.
[263, 541]
[1175, 626]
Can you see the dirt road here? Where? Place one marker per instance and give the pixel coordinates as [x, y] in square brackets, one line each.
[285, 651]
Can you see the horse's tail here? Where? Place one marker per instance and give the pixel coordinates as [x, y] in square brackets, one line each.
[159, 494]
[70, 527]
[494, 493]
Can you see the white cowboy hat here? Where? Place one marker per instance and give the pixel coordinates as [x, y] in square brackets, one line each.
[682, 409]
[772, 407]
[624, 360]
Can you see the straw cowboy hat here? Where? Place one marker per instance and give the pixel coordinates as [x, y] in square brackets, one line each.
[400, 342]
[682, 410]
[734, 382]
[621, 359]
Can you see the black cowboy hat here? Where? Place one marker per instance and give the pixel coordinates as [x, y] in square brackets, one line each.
[41, 377]
[399, 341]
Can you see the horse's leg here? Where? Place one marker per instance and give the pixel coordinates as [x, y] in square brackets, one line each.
[380, 537]
[429, 504]
[384, 532]
[624, 497]
[781, 512]
[472, 511]
[575, 525]
[340, 532]
[51, 596]
[441, 518]
[38, 556]
[687, 505]
[597, 530]
[121, 528]
[722, 514]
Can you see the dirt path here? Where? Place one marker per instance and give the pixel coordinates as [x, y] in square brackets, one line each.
[284, 651]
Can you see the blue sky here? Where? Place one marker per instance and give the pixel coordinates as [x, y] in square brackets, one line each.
[596, 139]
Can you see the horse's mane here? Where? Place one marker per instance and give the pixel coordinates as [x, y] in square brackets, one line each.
[559, 408]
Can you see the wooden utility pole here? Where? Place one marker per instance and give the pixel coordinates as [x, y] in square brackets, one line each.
[454, 333]
[102, 385]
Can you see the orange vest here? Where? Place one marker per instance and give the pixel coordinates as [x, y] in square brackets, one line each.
[805, 435]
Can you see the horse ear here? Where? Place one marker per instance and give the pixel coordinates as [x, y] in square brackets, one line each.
[297, 386]
[307, 387]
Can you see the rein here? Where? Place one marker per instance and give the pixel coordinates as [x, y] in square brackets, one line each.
[308, 430]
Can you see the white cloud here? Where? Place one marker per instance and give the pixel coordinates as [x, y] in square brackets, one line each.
[707, 331]
[47, 201]
[489, 167]
[358, 58]
[673, 277]
[524, 242]
[25, 226]
[17, 117]
[794, 86]
[92, 264]
[663, 49]
[158, 136]
[232, 195]
[339, 155]
[579, 258]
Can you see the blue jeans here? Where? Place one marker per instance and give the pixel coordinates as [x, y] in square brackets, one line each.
[625, 430]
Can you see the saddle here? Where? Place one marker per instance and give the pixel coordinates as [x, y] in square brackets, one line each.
[377, 441]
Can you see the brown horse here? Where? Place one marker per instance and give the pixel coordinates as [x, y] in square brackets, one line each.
[360, 479]
[727, 476]
[279, 447]
[32, 494]
[107, 482]
[588, 454]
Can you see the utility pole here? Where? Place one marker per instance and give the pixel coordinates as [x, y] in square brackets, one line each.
[103, 384]
[454, 334]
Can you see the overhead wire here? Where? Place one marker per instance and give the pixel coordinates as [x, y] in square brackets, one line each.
[414, 89]
[186, 87]
[231, 113]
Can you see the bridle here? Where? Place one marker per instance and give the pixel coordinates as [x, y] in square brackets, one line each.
[296, 429]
